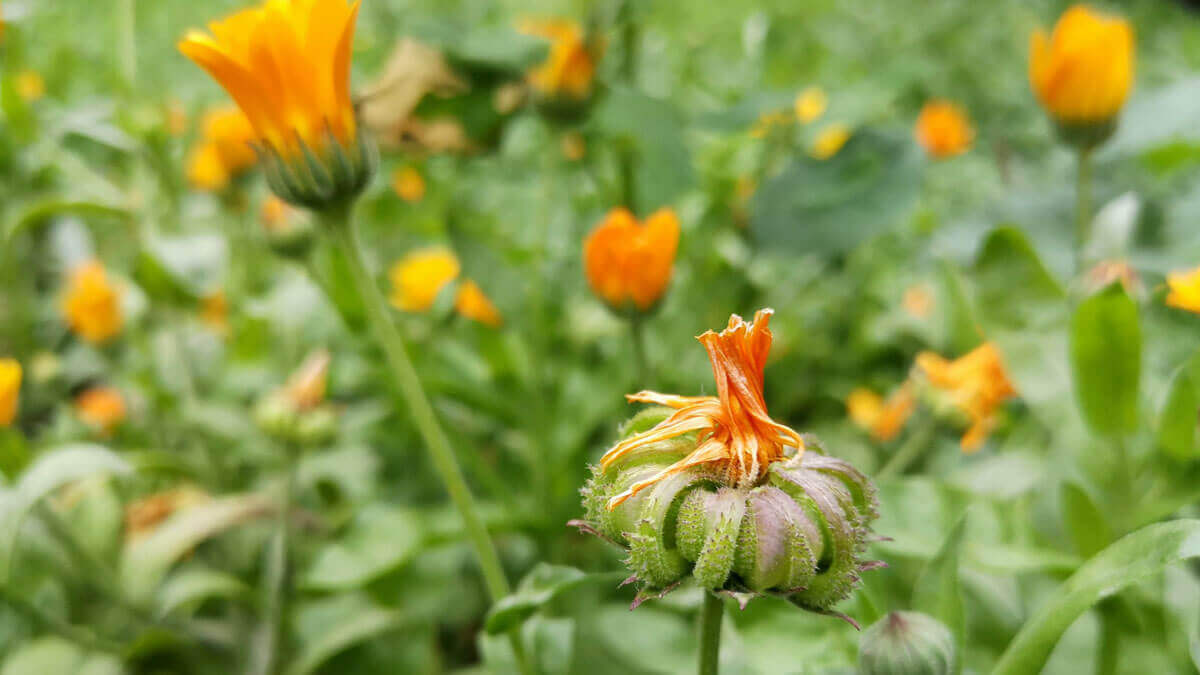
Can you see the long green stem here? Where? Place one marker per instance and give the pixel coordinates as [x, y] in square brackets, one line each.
[710, 633]
[1083, 205]
[637, 335]
[341, 226]
[916, 443]
[127, 25]
[269, 655]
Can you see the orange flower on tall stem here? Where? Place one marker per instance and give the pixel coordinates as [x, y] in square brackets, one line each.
[978, 385]
[1082, 72]
[737, 438]
[943, 129]
[92, 305]
[570, 67]
[629, 264]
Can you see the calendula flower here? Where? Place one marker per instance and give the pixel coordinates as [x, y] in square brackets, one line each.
[570, 67]
[409, 184]
[943, 129]
[143, 516]
[1083, 71]
[224, 150]
[102, 408]
[420, 276]
[810, 104]
[214, 312]
[1185, 290]
[829, 141]
[918, 301]
[286, 64]
[628, 264]
[10, 390]
[882, 418]
[91, 304]
[297, 412]
[30, 85]
[977, 383]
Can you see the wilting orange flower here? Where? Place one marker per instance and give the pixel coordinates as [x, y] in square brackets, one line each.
[101, 408]
[30, 85]
[10, 390]
[409, 184]
[918, 301]
[287, 65]
[736, 437]
[1083, 71]
[305, 389]
[943, 129]
[1185, 290]
[214, 312]
[144, 515]
[629, 263]
[571, 65]
[224, 149]
[977, 383]
[883, 419]
[420, 276]
[829, 141]
[91, 305]
[810, 104]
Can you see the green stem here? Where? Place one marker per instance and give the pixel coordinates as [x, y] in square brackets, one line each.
[710, 633]
[1110, 645]
[637, 334]
[269, 658]
[340, 224]
[918, 441]
[1083, 205]
[126, 32]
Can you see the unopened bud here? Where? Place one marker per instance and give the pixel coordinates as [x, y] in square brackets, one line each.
[906, 643]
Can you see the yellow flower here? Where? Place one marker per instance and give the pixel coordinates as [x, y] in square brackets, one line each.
[883, 419]
[943, 129]
[101, 408]
[420, 276]
[766, 122]
[918, 301]
[810, 104]
[830, 141]
[1185, 290]
[977, 383]
[10, 390]
[737, 438]
[1083, 71]
[628, 263]
[224, 149]
[570, 66]
[409, 184]
[92, 305]
[30, 85]
[214, 312]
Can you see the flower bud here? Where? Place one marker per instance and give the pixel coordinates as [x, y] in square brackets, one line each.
[323, 177]
[906, 643]
[276, 415]
[316, 427]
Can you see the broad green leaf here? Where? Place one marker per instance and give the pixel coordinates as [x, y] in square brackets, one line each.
[829, 206]
[42, 211]
[1106, 360]
[182, 268]
[146, 561]
[43, 656]
[380, 539]
[535, 590]
[67, 464]
[1157, 118]
[1178, 420]
[938, 592]
[1015, 289]
[1132, 558]
[496, 49]
[1088, 529]
[190, 587]
[329, 627]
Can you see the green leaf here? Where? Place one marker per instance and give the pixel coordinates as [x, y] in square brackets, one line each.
[830, 206]
[188, 588]
[1087, 526]
[1106, 360]
[43, 210]
[67, 464]
[343, 623]
[1177, 421]
[1157, 118]
[43, 656]
[1134, 557]
[1015, 289]
[535, 590]
[938, 592]
[182, 268]
[380, 539]
[495, 49]
[652, 129]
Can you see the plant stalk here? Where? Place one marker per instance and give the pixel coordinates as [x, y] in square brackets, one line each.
[637, 335]
[710, 633]
[1083, 205]
[279, 579]
[916, 443]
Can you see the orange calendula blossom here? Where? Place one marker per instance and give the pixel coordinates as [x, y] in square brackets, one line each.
[409, 184]
[224, 151]
[882, 418]
[1083, 71]
[286, 64]
[943, 129]
[570, 67]
[977, 383]
[101, 408]
[1185, 290]
[92, 305]
[420, 276]
[738, 440]
[10, 390]
[830, 141]
[628, 263]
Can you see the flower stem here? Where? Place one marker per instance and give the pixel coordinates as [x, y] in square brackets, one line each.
[1083, 205]
[268, 657]
[127, 29]
[341, 226]
[637, 335]
[710, 633]
[914, 445]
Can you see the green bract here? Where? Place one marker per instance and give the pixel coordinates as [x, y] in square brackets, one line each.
[319, 179]
[798, 534]
[907, 643]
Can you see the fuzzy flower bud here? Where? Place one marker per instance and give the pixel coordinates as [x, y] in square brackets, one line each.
[907, 643]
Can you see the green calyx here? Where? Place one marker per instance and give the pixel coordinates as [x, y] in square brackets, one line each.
[907, 643]
[321, 178]
[1086, 135]
[799, 534]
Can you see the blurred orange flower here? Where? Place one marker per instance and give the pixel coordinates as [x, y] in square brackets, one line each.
[630, 263]
[224, 150]
[943, 129]
[810, 104]
[977, 383]
[409, 184]
[918, 301]
[420, 276]
[214, 312]
[571, 65]
[829, 141]
[1083, 71]
[101, 408]
[144, 515]
[1185, 290]
[30, 85]
[883, 419]
[92, 305]
[10, 390]
[275, 214]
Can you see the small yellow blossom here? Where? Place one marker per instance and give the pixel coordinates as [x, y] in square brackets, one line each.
[91, 304]
[420, 276]
[10, 390]
[102, 408]
[943, 129]
[409, 184]
[214, 312]
[977, 383]
[829, 141]
[918, 301]
[1083, 71]
[473, 304]
[628, 263]
[570, 67]
[1185, 290]
[573, 146]
[30, 85]
[883, 419]
[810, 104]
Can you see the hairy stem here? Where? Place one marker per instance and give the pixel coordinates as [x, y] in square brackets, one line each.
[710, 633]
